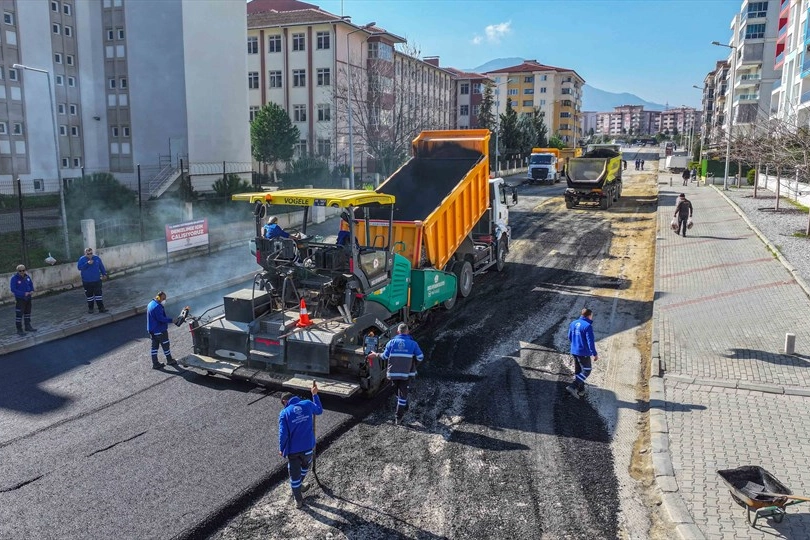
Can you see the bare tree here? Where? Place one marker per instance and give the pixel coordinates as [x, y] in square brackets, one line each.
[390, 105]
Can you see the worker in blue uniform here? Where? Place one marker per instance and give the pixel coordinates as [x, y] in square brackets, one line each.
[296, 438]
[402, 354]
[93, 271]
[157, 324]
[583, 349]
[274, 230]
[22, 287]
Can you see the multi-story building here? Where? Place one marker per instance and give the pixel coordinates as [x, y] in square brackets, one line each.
[679, 120]
[790, 97]
[628, 120]
[708, 104]
[555, 91]
[131, 84]
[588, 123]
[469, 91]
[301, 58]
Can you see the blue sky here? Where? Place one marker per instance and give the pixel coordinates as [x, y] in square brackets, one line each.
[656, 49]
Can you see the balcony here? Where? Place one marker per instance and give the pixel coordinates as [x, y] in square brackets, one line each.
[805, 97]
[782, 31]
[780, 59]
[746, 97]
[806, 68]
[749, 79]
[776, 84]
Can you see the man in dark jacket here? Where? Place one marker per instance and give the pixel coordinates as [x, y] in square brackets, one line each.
[686, 174]
[683, 211]
[157, 324]
[402, 354]
[22, 287]
[92, 270]
[583, 349]
[296, 438]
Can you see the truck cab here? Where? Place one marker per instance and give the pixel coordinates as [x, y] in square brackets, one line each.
[543, 167]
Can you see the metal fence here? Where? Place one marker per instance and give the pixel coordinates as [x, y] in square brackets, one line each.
[126, 208]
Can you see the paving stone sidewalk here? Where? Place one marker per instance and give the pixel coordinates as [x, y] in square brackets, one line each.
[56, 315]
[728, 396]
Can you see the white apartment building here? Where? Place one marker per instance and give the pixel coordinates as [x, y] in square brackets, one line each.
[301, 57]
[790, 97]
[132, 84]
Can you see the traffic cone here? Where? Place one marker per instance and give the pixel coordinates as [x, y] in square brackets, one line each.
[304, 320]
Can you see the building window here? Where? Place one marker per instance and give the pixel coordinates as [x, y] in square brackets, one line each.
[299, 43]
[69, 31]
[3, 128]
[758, 9]
[77, 162]
[56, 29]
[8, 18]
[253, 112]
[60, 81]
[12, 74]
[253, 80]
[274, 44]
[301, 148]
[55, 6]
[74, 131]
[476, 110]
[464, 110]
[57, 58]
[72, 109]
[323, 40]
[65, 162]
[543, 77]
[112, 83]
[324, 147]
[18, 128]
[253, 45]
[67, 9]
[72, 82]
[324, 112]
[528, 103]
[110, 34]
[125, 131]
[120, 33]
[529, 79]
[512, 91]
[528, 91]
[122, 83]
[69, 59]
[299, 113]
[115, 131]
[275, 79]
[543, 90]
[477, 88]
[299, 77]
[61, 108]
[383, 51]
[464, 88]
[754, 31]
[324, 77]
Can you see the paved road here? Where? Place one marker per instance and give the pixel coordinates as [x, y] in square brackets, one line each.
[95, 444]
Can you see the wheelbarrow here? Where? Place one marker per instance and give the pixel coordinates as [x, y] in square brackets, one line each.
[759, 492]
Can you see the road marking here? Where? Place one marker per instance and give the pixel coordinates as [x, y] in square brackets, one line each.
[727, 294]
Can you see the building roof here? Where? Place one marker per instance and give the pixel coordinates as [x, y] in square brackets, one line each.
[262, 6]
[465, 74]
[531, 66]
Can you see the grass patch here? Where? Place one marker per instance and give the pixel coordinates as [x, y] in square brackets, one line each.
[800, 235]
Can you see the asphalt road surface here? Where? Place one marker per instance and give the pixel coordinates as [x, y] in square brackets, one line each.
[96, 444]
[494, 447]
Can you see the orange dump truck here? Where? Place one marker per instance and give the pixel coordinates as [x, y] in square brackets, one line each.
[449, 214]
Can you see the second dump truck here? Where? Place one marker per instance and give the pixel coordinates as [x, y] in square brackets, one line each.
[596, 177]
[319, 305]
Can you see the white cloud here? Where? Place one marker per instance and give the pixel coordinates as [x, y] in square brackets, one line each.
[477, 40]
[493, 33]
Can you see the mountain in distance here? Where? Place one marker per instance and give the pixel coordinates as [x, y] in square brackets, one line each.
[593, 99]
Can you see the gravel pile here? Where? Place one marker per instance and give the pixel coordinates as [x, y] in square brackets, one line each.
[779, 227]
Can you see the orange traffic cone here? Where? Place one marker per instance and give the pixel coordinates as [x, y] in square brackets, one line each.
[304, 320]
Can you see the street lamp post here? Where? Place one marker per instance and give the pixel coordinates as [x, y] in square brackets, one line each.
[52, 98]
[730, 98]
[349, 101]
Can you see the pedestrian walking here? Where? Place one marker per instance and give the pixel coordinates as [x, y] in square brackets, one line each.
[402, 354]
[624, 164]
[583, 349]
[93, 271]
[637, 163]
[296, 438]
[157, 324]
[22, 286]
[685, 177]
[693, 173]
[683, 211]
[642, 164]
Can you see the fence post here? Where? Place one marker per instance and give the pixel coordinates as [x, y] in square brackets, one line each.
[82, 171]
[223, 171]
[22, 223]
[140, 202]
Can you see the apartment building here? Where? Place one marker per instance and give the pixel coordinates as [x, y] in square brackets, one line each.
[588, 122]
[709, 103]
[679, 120]
[301, 58]
[628, 120]
[131, 83]
[790, 96]
[469, 92]
[555, 91]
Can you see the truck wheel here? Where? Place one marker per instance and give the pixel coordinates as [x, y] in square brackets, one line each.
[450, 303]
[569, 203]
[501, 254]
[603, 203]
[464, 272]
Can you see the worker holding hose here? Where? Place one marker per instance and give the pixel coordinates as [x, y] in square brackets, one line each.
[296, 438]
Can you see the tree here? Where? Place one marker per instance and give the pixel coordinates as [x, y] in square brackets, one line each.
[540, 129]
[186, 191]
[509, 132]
[527, 135]
[556, 141]
[273, 136]
[486, 119]
[230, 184]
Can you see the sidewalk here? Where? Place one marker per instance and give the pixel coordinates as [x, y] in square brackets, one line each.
[63, 314]
[727, 398]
